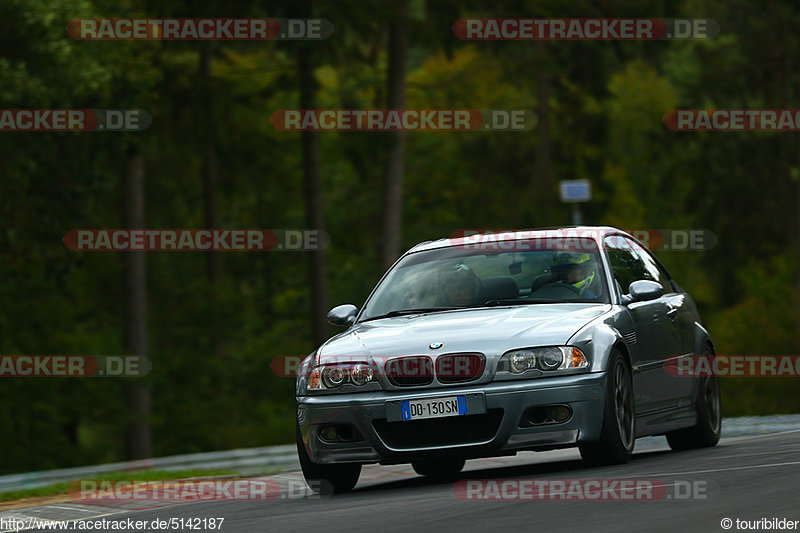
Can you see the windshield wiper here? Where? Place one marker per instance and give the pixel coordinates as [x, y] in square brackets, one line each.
[401, 312]
[528, 301]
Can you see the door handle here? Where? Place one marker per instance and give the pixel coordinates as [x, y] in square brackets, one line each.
[672, 312]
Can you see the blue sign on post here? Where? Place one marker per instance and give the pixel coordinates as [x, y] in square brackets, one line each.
[575, 191]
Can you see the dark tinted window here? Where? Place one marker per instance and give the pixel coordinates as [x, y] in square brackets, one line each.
[630, 262]
[652, 269]
[626, 264]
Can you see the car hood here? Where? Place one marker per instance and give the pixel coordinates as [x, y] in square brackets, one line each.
[491, 331]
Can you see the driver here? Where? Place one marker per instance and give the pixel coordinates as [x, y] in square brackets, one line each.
[576, 269]
[416, 288]
[459, 284]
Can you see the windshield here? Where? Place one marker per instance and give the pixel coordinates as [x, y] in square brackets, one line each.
[455, 277]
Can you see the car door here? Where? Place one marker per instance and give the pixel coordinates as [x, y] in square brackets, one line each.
[654, 334]
[680, 311]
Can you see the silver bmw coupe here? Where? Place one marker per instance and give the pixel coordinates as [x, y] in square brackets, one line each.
[489, 344]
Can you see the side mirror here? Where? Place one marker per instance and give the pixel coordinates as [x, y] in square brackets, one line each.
[642, 291]
[343, 315]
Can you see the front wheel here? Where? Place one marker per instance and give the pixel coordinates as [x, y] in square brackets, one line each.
[326, 479]
[617, 436]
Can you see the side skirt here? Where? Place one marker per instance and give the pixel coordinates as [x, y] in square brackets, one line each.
[660, 422]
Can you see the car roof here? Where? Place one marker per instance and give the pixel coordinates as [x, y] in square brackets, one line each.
[461, 237]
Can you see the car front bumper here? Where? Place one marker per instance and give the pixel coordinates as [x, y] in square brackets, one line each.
[497, 432]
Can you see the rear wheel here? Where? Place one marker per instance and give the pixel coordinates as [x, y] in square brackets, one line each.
[442, 469]
[617, 436]
[326, 479]
[709, 418]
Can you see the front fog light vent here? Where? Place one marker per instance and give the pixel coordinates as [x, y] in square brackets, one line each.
[543, 415]
[339, 433]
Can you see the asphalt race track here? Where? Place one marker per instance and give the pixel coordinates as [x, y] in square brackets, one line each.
[748, 478]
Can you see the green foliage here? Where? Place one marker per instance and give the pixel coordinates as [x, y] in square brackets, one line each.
[211, 344]
[763, 322]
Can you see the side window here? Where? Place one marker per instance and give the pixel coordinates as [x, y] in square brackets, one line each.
[626, 265]
[652, 270]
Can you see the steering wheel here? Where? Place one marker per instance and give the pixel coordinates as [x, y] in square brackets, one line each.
[556, 291]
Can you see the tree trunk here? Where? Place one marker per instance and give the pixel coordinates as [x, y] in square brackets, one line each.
[209, 154]
[208, 151]
[543, 186]
[797, 237]
[138, 439]
[395, 166]
[312, 187]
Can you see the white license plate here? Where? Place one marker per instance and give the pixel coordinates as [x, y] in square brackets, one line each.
[434, 407]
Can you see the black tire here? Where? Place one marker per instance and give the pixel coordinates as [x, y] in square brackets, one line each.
[618, 433]
[326, 479]
[440, 469]
[709, 418]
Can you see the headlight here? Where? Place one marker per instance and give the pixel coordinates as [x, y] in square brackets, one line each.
[361, 374]
[546, 359]
[521, 360]
[332, 376]
[551, 358]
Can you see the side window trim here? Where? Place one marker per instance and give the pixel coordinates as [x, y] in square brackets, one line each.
[642, 254]
[665, 272]
[641, 249]
[618, 288]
